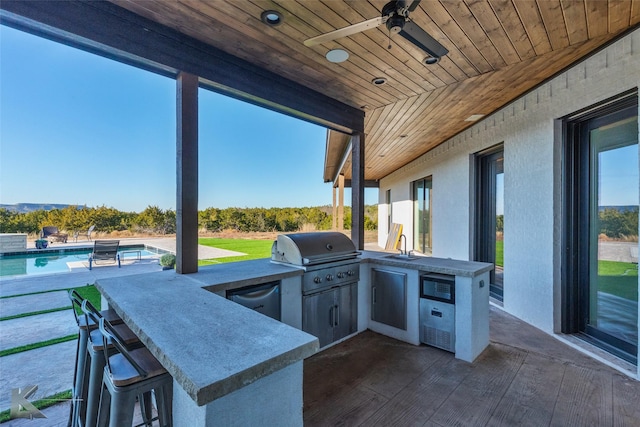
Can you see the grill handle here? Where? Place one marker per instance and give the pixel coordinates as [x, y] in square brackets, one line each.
[328, 258]
[336, 311]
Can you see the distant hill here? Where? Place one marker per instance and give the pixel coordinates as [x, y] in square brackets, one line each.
[30, 207]
[621, 209]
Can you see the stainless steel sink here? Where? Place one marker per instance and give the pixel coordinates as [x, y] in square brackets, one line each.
[404, 257]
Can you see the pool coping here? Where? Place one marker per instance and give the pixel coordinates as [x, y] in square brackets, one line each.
[48, 251]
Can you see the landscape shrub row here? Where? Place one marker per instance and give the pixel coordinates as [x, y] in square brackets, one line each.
[154, 220]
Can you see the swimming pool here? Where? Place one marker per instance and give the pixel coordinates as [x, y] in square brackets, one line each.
[49, 262]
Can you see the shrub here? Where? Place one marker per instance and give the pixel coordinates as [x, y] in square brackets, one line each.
[168, 260]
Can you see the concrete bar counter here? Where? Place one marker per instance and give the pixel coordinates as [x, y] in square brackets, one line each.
[230, 365]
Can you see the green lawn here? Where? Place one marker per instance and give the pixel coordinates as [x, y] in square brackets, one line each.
[618, 278]
[253, 248]
[87, 292]
[91, 293]
[500, 253]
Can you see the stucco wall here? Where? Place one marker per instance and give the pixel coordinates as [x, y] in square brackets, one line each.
[532, 221]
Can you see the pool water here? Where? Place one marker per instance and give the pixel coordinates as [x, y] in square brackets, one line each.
[56, 262]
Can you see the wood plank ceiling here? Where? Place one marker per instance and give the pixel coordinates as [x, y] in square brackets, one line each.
[498, 50]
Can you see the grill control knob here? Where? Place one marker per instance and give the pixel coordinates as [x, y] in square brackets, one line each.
[351, 272]
[341, 274]
[329, 277]
[317, 279]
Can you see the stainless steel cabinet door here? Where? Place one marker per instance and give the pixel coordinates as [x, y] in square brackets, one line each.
[346, 313]
[389, 298]
[318, 315]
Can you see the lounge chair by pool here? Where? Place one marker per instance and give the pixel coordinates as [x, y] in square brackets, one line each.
[105, 250]
[52, 233]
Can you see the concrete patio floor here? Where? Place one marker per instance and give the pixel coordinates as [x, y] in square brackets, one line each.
[524, 378]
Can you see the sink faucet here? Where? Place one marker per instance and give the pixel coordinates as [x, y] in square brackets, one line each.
[403, 252]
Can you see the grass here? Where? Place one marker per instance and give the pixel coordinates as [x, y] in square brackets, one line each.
[614, 268]
[40, 344]
[89, 292]
[618, 278]
[41, 403]
[254, 249]
[34, 313]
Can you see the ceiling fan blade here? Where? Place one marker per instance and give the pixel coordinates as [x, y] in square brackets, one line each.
[346, 31]
[413, 5]
[423, 40]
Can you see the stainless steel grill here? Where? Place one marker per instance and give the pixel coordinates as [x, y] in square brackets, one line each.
[329, 284]
[307, 249]
[328, 258]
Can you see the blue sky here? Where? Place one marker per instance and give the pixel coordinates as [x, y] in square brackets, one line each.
[80, 129]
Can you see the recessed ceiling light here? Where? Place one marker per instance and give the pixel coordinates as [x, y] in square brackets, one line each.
[271, 17]
[379, 81]
[430, 60]
[474, 118]
[337, 55]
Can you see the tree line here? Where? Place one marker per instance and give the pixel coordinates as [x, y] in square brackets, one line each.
[154, 220]
[617, 224]
[614, 223]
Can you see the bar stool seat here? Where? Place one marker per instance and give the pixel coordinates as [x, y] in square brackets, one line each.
[91, 377]
[130, 375]
[85, 325]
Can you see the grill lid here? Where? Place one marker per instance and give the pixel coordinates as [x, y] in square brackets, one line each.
[312, 248]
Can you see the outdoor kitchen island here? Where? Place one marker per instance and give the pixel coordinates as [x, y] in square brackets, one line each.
[232, 366]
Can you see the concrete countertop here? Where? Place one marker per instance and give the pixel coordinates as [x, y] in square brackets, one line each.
[429, 264]
[222, 277]
[210, 346]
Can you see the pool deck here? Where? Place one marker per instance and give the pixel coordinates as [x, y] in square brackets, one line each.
[80, 274]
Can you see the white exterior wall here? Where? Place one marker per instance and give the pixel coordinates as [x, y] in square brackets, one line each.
[532, 217]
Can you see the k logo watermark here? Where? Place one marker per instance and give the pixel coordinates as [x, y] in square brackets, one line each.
[20, 405]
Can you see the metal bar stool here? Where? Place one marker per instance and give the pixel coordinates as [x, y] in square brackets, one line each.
[129, 374]
[95, 362]
[85, 325]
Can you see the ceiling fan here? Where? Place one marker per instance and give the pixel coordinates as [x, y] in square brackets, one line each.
[395, 15]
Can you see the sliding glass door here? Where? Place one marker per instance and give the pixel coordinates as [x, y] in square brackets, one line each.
[605, 191]
[489, 221]
[422, 215]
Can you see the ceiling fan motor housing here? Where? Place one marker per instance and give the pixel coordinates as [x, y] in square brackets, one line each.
[396, 20]
[395, 24]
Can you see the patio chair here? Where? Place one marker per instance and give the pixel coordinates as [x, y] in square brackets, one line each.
[88, 234]
[105, 250]
[52, 233]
